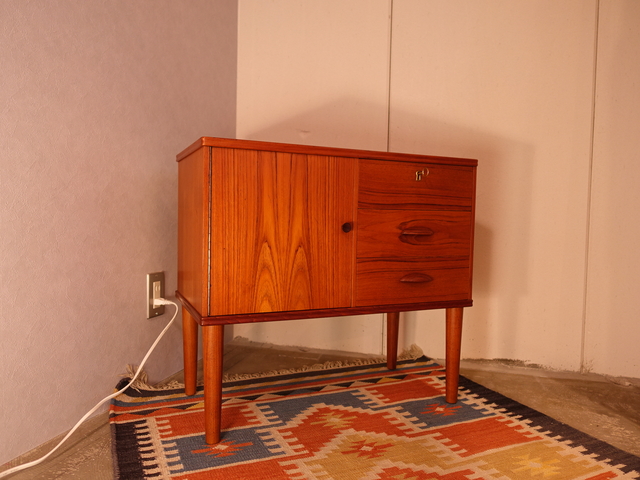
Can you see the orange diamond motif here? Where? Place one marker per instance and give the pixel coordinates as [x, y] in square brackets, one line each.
[442, 410]
[222, 449]
[335, 420]
[368, 449]
[537, 466]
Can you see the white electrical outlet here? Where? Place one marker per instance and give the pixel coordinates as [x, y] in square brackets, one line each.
[155, 289]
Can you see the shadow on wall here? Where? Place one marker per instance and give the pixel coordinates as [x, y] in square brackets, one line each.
[503, 205]
[344, 123]
[502, 231]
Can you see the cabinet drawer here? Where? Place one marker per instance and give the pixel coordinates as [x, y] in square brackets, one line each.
[381, 282]
[411, 233]
[414, 185]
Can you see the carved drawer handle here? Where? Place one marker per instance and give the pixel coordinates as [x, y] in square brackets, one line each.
[416, 235]
[422, 231]
[416, 278]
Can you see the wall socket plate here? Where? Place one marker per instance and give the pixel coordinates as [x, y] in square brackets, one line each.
[155, 289]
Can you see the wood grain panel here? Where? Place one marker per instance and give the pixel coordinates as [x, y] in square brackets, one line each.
[277, 242]
[397, 281]
[393, 185]
[413, 233]
[193, 205]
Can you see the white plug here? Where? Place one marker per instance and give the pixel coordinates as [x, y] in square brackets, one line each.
[161, 301]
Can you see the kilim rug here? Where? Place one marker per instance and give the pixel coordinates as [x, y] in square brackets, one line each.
[362, 422]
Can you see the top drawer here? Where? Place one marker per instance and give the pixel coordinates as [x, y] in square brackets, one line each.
[413, 185]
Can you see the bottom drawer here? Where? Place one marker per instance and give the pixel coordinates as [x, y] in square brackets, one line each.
[380, 282]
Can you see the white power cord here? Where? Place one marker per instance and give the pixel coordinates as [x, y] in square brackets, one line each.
[157, 301]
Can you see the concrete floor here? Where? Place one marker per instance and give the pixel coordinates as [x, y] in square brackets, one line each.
[608, 409]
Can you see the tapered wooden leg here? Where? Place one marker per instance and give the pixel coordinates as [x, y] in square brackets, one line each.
[454, 342]
[393, 322]
[190, 352]
[212, 346]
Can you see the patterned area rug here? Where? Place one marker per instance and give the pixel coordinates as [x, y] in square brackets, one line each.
[362, 422]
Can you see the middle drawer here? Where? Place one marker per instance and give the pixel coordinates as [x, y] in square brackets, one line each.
[413, 233]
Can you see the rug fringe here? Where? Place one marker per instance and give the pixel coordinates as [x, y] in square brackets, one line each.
[142, 382]
[411, 353]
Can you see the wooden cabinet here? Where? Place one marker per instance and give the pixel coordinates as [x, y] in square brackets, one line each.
[273, 232]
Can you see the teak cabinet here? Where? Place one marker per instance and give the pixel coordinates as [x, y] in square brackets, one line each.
[270, 231]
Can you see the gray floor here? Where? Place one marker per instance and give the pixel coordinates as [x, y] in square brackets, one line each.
[608, 409]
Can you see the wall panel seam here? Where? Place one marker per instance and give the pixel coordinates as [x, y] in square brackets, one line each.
[585, 295]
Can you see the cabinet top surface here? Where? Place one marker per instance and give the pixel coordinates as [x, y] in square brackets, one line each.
[316, 150]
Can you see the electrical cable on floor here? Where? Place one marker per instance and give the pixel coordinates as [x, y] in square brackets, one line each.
[157, 301]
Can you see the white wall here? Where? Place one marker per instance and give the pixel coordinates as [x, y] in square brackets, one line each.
[96, 99]
[509, 83]
[613, 323]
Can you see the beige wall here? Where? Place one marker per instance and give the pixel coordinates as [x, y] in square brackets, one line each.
[613, 321]
[314, 73]
[509, 83]
[96, 99]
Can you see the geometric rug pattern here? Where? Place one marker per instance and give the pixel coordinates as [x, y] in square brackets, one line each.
[362, 422]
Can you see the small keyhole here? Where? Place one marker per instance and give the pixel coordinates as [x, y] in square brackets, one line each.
[420, 173]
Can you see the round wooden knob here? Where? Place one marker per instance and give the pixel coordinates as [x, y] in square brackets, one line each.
[347, 227]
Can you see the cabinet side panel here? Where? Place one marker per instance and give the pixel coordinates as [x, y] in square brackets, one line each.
[193, 212]
[472, 233]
